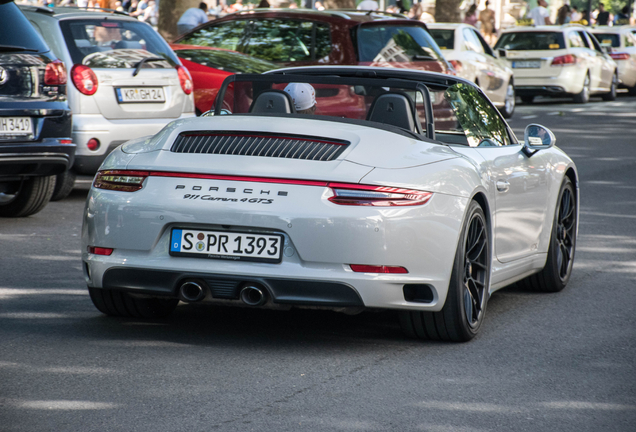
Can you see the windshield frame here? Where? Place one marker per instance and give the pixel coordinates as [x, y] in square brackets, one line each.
[352, 81]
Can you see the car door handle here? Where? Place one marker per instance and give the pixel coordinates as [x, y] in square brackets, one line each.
[503, 186]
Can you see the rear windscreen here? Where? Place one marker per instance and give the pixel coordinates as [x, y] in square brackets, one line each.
[444, 38]
[609, 39]
[108, 43]
[396, 43]
[16, 33]
[228, 61]
[523, 41]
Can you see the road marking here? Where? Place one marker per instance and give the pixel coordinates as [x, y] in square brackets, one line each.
[529, 116]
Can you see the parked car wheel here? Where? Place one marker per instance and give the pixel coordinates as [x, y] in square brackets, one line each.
[26, 197]
[119, 303]
[465, 307]
[509, 104]
[612, 93]
[64, 183]
[558, 267]
[584, 96]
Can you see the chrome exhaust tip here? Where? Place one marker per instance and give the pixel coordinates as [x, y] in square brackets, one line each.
[191, 292]
[253, 296]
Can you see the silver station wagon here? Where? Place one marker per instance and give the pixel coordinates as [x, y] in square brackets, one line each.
[125, 80]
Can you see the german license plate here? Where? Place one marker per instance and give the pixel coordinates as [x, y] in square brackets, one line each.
[526, 64]
[227, 245]
[16, 126]
[140, 95]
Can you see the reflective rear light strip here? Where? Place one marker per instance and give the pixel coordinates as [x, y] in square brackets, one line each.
[261, 180]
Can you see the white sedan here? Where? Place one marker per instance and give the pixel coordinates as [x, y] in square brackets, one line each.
[621, 41]
[558, 61]
[407, 191]
[475, 60]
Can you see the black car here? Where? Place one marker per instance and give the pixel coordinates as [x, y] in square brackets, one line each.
[35, 119]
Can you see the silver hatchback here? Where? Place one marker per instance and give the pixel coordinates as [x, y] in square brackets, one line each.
[126, 81]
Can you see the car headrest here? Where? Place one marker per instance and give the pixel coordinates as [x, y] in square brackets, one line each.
[396, 109]
[273, 102]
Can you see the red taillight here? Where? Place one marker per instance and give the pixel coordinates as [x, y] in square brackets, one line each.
[65, 141]
[55, 73]
[457, 65]
[185, 80]
[379, 196]
[568, 59]
[123, 181]
[93, 144]
[619, 56]
[99, 250]
[84, 79]
[360, 268]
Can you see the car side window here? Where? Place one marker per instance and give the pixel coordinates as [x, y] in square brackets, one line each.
[227, 35]
[487, 49]
[629, 40]
[595, 44]
[586, 44]
[284, 40]
[472, 42]
[575, 40]
[476, 116]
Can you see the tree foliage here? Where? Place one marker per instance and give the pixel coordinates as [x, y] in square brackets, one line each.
[339, 4]
[447, 11]
[169, 13]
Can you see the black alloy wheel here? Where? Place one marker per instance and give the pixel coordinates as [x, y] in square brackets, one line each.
[475, 270]
[463, 313]
[560, 260]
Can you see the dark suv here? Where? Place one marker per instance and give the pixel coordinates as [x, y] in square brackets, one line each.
[296, 37]
[35, 119]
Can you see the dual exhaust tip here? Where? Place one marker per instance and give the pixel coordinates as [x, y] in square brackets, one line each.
[250, 294]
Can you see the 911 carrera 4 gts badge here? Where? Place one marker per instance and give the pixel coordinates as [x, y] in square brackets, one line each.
[231, 190]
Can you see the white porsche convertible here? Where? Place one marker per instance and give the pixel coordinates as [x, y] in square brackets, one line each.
[337, 187]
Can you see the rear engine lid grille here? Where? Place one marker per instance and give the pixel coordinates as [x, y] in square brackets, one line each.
[259, 144]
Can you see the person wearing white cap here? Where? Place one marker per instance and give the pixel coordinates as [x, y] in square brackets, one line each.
[304, 97]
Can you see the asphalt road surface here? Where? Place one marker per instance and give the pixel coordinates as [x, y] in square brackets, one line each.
[542, 362]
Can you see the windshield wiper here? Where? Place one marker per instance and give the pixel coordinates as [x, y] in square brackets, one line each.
[16, 48]
[147, 59]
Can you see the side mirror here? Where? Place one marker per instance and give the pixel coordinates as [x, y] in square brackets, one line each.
[537, 137]
[501, 53]
[210, 113]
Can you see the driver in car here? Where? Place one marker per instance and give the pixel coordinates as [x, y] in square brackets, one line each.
[304, 97]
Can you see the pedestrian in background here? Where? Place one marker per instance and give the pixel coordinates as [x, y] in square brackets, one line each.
[603, 16]
[471, 15]
[487, 21]
[263, 4]
[540, 14]
[192, 18]
[563, 14]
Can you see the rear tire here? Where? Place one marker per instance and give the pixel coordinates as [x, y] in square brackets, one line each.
[613, 89]
[119, 303]
[30, 196]
[631, 90]
[584, 96]
[558, 267]
[463, 313]
[64, 183]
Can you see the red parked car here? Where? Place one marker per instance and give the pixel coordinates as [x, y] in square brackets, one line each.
[296, 37]
[210, 66]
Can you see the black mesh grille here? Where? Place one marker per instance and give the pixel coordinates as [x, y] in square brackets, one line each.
[258, 144]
